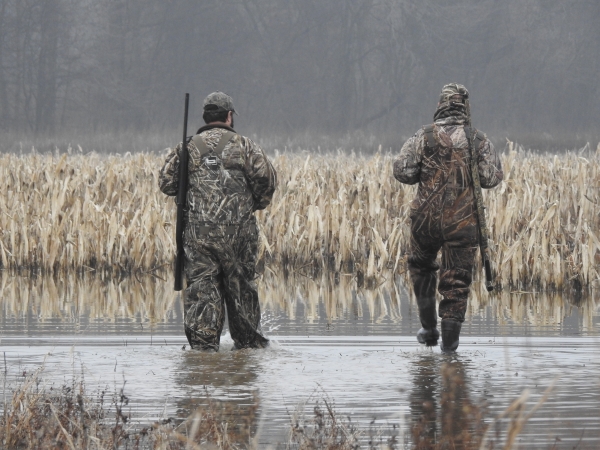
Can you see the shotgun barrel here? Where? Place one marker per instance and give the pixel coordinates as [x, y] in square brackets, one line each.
[181, 201]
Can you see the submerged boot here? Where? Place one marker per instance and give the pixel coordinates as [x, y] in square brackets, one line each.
[450, 333]
[429, 334]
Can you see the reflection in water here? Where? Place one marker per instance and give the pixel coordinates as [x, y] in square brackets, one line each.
[424, 400]
[357, 344]
[443, 414]
[35, 304]
[298, 297]
[339, 296]
[147, 303]
[222, 385]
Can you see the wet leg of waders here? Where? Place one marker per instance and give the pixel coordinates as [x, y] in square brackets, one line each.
[204, 313]
[456, 275]
[423, 268]
[241, 293]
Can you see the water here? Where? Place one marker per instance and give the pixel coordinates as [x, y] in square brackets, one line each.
[355, 348]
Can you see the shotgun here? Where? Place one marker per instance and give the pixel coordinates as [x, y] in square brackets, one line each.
[483, 230]
[181, 200]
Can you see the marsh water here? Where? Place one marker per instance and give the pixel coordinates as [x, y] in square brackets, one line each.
[331, 341]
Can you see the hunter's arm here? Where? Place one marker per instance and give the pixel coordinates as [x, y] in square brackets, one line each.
[490, 168]
[407, 168]
[260, 173]
[168, 179]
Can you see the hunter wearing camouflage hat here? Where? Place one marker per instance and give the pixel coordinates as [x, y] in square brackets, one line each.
[229, 177]
[443, 214]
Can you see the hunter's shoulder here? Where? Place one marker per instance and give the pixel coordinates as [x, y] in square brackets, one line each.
[484, 141]
[249, 144]
[479, 133]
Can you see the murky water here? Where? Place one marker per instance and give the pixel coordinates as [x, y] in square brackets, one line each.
[331, 339]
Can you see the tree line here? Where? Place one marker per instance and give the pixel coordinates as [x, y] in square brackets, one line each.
[323, 66]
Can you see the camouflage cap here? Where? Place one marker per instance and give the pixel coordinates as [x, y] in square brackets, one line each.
[218, 101]
[450, 92]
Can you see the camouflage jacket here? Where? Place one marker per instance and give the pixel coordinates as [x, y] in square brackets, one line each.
[243, 182]
[443, 173]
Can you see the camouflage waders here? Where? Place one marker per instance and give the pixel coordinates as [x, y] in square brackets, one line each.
[229, 177]
[220, 271]
[443, 214]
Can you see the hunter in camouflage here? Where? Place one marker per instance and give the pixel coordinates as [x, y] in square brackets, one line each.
[229, 177]
[444, 214]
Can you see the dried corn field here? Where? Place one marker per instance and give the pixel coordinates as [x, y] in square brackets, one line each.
[76, 212]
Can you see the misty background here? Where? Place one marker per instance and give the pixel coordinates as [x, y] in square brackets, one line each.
[353, 70]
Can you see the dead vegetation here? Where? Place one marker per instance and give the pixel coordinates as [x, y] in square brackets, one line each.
[460, 422]
[344, 213]
[40, 416]
[36, 416]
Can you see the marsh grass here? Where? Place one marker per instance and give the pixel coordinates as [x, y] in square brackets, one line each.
[36, 415]
[339, 212]
[325, 428]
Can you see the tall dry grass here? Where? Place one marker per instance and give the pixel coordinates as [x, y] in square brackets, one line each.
[38, 415]
[340, 212]
[83, 212]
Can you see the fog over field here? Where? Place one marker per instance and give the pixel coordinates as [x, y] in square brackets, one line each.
[297, 68]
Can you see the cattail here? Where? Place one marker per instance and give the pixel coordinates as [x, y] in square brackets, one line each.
[105, 213]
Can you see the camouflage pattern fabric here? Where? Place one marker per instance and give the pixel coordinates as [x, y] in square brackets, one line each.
[454, 104]
[443, 214]
[218, 101]
[221, 237]
[220, 273]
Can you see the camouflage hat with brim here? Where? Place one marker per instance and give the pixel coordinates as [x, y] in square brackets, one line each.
[454, 92]
[218, 101]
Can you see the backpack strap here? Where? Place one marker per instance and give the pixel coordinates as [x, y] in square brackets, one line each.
[204, 149]
[431, 143]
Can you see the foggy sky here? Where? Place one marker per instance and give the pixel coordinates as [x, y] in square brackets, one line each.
[298, 66]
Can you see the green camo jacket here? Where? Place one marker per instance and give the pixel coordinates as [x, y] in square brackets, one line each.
[243, 182]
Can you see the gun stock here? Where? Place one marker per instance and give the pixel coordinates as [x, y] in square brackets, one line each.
[181, 201]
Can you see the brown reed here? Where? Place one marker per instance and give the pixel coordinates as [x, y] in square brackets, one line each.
[38, 416]
[340, 212]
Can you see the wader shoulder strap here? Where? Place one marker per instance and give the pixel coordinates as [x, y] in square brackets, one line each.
[204, 149]
[429, 136]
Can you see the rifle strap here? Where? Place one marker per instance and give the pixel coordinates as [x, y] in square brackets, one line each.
[205, 149]
[429, 136]
[479, 137]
